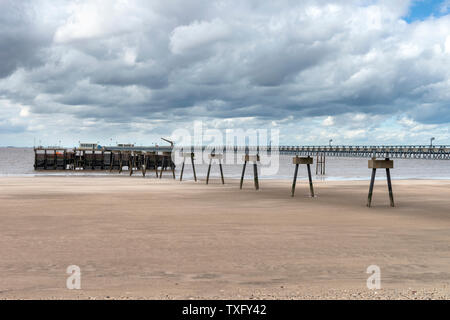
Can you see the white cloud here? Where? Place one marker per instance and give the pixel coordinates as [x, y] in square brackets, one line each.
[198, 34]
[329, 121]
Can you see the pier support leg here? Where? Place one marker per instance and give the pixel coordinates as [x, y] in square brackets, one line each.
[317, 164]
[243, 173]
[209, 171]
[221, 171]
[182, 170]
[391, 194]
[295, 180]
[156, 165]
[372, 181]
[255, 175]
[162, 166]
[144, 166]
[193, 168]
[311, 188]
[111, 161]
[172, 166]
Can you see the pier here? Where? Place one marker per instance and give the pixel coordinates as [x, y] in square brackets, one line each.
[112, 159]
[130, 156]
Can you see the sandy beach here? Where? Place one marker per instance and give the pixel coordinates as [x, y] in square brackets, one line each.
[136, 238]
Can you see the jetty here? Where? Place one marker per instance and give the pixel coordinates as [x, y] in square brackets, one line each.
[95, 157]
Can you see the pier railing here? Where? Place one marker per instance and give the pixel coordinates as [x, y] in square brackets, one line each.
[403, 152]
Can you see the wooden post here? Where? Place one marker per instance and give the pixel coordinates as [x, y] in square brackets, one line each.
[243, 173]
[317, 164]
[111, 161]
[303, 160]
[120, 161]
[381, 164]
[209, 170]
[64, 160]
[254, 159]
[156, 163]
[182, 170]
[172, 166]
[144, 165]
[391, 194]
[162, 166]
[295, 179]
[35, 159]
[131, 163]
[372, 181]
[221, 171]
[214, 156]
[191, 156]
[167, 161]
[193, 166]
[311, 188]
[255, 175]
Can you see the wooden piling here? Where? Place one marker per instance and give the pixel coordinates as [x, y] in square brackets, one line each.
[391, 194]
[380, 164]
[243, 173]
[308, 161]
[221, 171]
[209, 171]
[182, 170]
[255, 175]
[193, 166]
[212, 157]
[255, 159]
[188, 155]
[295, 180]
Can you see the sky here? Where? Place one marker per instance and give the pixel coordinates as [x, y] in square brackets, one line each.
[360, 72]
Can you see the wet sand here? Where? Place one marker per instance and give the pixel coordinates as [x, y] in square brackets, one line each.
[162, 239]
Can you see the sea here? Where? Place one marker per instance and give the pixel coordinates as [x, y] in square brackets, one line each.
[19, 162]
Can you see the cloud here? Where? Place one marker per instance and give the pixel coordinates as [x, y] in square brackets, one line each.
[130, 65]
[198, 34]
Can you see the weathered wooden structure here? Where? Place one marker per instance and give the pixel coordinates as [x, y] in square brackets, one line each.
[298, 161]
[255, 159]
[215, 156]
[117, 159]
[186, 155]
[320, 163]
[375, 164]
[166, 161]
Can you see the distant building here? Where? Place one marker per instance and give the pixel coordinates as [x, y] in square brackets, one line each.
[125, 145]
[89, 146]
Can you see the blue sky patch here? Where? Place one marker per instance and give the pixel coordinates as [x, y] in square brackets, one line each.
[422, 9]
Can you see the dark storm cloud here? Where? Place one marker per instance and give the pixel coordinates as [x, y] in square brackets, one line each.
[21, 37]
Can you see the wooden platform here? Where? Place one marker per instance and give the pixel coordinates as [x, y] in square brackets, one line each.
[381, 164]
